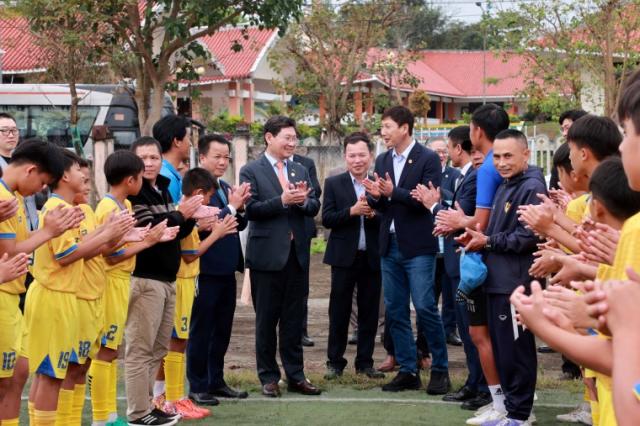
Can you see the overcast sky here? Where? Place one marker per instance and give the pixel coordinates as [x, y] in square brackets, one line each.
[467, 11]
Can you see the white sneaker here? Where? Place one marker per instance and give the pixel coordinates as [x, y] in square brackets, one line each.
[582, 414]
[532, 418]
[483, 409]
[486, 416]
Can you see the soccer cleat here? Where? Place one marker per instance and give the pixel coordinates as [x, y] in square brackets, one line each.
[486, 416]
[188, 410]
[484, 408]
[582, 414]
[119, 422]
[158, 401]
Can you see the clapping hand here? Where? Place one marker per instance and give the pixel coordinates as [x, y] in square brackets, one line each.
[427, 195]
[472, 239]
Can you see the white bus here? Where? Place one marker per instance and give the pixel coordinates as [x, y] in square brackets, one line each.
[42, 110]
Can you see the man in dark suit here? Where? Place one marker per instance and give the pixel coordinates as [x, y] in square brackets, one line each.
[447, 188]
[215, 302]
[312, 231]
[408, 249]
[352, 252]
[278, 254]
[464, 195]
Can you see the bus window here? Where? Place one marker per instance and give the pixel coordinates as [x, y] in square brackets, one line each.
[51, 122]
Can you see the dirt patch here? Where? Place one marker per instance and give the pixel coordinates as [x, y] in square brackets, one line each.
[241, 352]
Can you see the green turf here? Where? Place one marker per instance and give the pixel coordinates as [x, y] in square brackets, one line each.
[355, 401]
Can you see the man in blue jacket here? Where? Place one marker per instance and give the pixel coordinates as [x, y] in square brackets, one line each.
[508, 253]
[215, 301]
[408, 250]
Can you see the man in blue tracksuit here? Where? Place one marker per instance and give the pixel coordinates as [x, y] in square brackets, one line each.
[508, 253]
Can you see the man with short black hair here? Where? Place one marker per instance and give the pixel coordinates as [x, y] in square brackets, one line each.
[215, 301]
[173, 132]
[566, 120]
[277, 255]
[408, 249]
[352, 251]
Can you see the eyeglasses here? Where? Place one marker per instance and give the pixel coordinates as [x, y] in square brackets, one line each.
[7, 132]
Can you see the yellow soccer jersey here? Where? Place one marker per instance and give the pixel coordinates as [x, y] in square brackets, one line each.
[578, 208]
[628, 251]
[94, 278]
[46, 269]
[14, 228]
[189, 245]
[107, 205]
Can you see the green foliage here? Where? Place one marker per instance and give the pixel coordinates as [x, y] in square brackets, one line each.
[421, 25]
[420, 103]
[327, 49]
[548, 107]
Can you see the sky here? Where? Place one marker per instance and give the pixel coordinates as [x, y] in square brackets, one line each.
[468, 11]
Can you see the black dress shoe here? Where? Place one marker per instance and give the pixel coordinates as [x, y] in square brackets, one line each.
[227, 392]
[306, 341]
[439, 383]
[453, 339]
[304, 387]
[482, 399]
[271, 390]
[353, 340]
[402, 382]
[371, 373]
[203, 398]
[461, 395]
[544, 349]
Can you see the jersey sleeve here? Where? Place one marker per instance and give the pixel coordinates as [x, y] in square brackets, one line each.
[191, 243]
[8, 229]
[488, 181]
[64, 244]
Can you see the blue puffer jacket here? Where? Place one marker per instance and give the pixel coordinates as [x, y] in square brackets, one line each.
[512, 245]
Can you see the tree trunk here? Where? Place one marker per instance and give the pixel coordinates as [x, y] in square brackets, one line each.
[155, 112]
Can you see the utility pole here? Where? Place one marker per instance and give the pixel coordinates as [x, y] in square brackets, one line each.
[485, 13]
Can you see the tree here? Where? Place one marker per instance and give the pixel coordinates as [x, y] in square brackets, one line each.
[563, 42]
[324, 53]
[72, 37]
[392, 67]
[421, 25]
[162, 38]
[420, 104]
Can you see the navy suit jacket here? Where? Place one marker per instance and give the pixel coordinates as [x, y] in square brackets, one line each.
[310, 222]
[271, 225]
[448, 184]
[339, 196]
[413, 222]
[224, 257]
[465, 195]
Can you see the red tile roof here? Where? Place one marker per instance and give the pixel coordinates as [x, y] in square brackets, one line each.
[237, 65]
[459, 73]
[21, 53]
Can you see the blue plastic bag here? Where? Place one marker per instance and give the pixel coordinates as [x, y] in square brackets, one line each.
[473, 272]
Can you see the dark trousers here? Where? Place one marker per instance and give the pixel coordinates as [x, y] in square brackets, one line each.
[571, 368]
[443, 287]
[277, 300]
[343, 281]
[305, 303]
[210, 331]
[515, 353]
[475, 379]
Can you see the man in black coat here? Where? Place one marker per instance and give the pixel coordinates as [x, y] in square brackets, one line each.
[278, 255]
[310, 226]
[352, 252]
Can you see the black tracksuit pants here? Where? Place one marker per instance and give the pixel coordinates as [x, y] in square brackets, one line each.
[515, 353]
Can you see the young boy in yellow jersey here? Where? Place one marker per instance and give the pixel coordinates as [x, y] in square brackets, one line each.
[595, 352]
[35, 163]
[51, 314]
[123, 171]
[89, 300]
[195, 182]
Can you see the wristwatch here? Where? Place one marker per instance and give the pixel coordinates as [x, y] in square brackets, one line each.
[487, 245]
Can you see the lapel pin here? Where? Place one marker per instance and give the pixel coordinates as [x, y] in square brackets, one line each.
[293, 174]
[410, 161]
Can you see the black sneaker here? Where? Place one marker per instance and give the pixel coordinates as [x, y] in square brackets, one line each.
[403, 381]
[482, 399]
[153, 419]
[158, 412]
[439, 383]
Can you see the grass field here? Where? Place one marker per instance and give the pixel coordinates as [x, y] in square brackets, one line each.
[355, 401]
